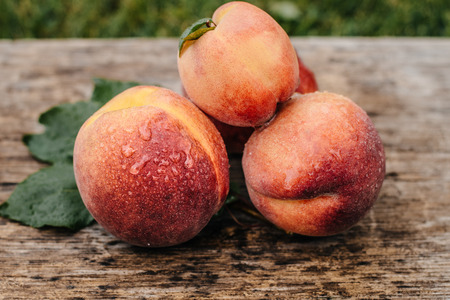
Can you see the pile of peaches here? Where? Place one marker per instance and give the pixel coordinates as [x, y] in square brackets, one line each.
[152, 165]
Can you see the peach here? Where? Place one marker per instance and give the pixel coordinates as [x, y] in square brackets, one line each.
[240, 70]
[317, 167]
[308, 83]
[151, 168]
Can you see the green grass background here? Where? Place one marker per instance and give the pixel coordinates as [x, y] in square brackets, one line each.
[158, 18]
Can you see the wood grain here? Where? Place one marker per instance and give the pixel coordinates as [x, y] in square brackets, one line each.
[401, 249]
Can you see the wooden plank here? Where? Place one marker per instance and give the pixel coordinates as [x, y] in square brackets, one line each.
[400, 249]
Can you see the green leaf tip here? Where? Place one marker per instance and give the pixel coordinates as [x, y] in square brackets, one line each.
[195, 31]
[48, 197]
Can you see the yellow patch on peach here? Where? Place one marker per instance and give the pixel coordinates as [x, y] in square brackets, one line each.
[133, 97]
[222, 11]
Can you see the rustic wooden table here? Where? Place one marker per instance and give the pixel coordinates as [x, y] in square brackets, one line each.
[400, 249]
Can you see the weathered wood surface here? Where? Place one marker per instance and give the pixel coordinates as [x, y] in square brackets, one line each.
[400, 249]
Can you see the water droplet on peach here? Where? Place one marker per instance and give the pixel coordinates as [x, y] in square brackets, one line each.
[145, 132]
[138, 166]
[175, 157]
[134, 169]
[189, 162]
[175, 171]
[127, 150]
[164, 163]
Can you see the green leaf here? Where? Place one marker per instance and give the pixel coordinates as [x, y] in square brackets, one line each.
[61, 123]
[106, 89]
[197, 34]
[49, 197]
[195, 31]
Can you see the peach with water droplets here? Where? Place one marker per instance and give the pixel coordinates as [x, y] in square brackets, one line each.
[151, 167]
[317, 167]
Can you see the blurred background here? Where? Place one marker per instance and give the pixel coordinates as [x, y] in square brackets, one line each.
[162, 18]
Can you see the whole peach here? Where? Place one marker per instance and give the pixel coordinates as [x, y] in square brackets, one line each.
[238, 72]
[317, 167]
[151, 168]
